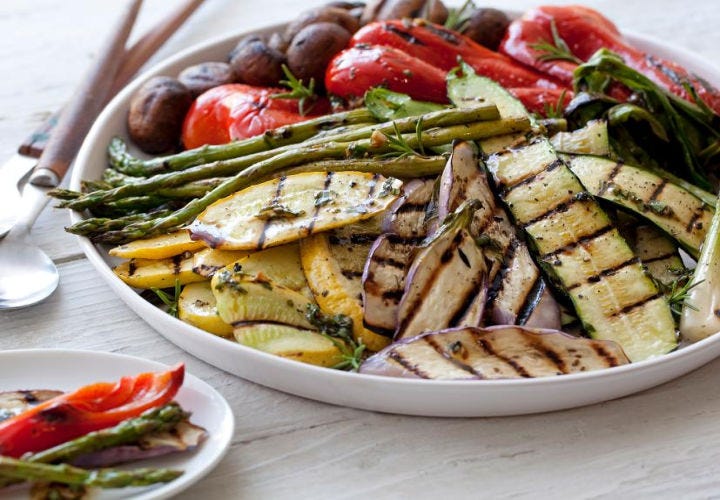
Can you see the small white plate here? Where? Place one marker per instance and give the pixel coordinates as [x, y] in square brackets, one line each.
[66, 370]
[477, 398]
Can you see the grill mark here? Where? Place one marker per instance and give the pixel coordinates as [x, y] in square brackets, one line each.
[640, 303]
[579, 241]
[316, 212]
[396, 239]
[406, 208]
[398, 358]
[402, 34]
[605, 273]
[661, 257]
[389, 261]
[351, 274]
[430, 340]
[275, 200]
[528, 180]
[600, 351]
[608, 181]
[691, 224]
[464, 258]
[562, 207]
[385, 332]
[394, 295]
[414, 309]
[658, 190]
[551, 355]
[532, 299]
[132, 267]
[355, 239]
[497, 284]
[487, 347]
[177, 263]
[470, 295]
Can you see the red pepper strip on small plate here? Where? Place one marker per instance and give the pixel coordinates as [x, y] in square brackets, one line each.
[355, 70]
[585, 31]
[90, 408]
[237, 111]
[441, 47]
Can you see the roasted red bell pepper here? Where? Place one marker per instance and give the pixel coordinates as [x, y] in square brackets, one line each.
[540, 101]
[585, 31]
[237, 111]
[90, 408]
[441, 48]
[355, 70]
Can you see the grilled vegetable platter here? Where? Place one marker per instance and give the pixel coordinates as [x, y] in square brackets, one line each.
[425, 206]
[125, 436]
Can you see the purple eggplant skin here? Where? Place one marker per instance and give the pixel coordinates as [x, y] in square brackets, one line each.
[446, 282]
[495, 352]
[406, 216]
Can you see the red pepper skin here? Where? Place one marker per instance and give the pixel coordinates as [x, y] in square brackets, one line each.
[538, 100]
[90, 408]
[355, 70]
[585, 31]
[237, 111]
[442, 48]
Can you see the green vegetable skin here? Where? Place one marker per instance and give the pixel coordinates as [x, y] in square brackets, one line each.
[701, 311]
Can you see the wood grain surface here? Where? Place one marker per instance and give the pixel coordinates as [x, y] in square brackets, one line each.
[663, 443]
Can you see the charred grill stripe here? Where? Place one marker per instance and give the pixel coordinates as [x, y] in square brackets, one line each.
[693, 220]
[407, 208]
[464, 258]
[398, 358]
[316, 212]
[659, 258]
[351, 274]
[579, 241]
[528, 180]
[608, 181]
[405, 35]
[558, 209]
[487, 347]
[459, 315]
[275, 200]
[177, 263]
[430, 340]
[396, 239]
[609, 358]
[385, 332]
[389, 261]
[438, 270]
[637, 304]
[355, 239]
[550, 355]
[657, 190]
[605, 273]
[132, 267]
[394, 295]
[497, 284]
[531, 301]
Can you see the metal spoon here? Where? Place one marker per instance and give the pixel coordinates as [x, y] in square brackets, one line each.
[27, 275]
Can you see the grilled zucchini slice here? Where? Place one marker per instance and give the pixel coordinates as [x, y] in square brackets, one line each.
[576, 243]
[289, 208]
[672, 208]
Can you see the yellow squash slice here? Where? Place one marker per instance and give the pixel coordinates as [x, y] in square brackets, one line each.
[158, 247]
[197, 306]
[293, 207]
[281, 265]
[158, 273]
[335, 291]
[210, 260]
[289, 342]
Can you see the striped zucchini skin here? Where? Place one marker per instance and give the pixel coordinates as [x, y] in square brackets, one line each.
[670, 207]
[583, 253]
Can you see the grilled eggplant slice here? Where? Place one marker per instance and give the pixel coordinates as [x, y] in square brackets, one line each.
[493, 352]
[581, 250]
[672, 208]
[289, 208]
[518, 293]
[15, 402]
[447, 281]
[389, 258]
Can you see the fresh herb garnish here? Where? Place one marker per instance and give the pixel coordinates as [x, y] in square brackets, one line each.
[277, 210]
[171, 301]
[458, 19]
[677, 291]
[388, 188]
[324, 197]
[557, 50]
[338, 329]
[397, 143]
[306, 96]
[555, 110]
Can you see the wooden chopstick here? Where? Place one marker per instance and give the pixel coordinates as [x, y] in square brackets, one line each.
[89, 98]
[137, 55]
[126, 62]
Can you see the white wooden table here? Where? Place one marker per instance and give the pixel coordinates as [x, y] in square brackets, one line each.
[662, 443]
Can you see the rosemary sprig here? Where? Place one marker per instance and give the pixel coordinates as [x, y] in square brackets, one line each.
[678, 290]
[306, 96]
[458, 18]
[338, 329]
[398, 144]
[557, 50]
[556, 110]
[171, 301]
